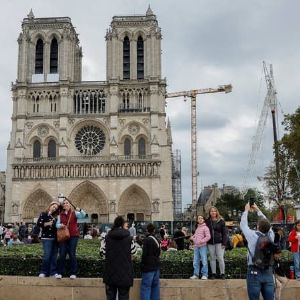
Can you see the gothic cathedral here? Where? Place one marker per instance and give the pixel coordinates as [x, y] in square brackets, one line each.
[103, 144]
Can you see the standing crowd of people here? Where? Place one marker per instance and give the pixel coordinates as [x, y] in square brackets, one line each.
[209, 238]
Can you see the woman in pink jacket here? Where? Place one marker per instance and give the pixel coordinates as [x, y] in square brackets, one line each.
[200, 238]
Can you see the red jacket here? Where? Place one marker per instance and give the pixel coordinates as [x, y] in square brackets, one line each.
[73, 228]
[294, 241]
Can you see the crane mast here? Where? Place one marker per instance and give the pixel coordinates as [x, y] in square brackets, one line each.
[193, 94]
[269, 103]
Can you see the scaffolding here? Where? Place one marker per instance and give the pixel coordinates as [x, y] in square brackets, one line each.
[176, 184]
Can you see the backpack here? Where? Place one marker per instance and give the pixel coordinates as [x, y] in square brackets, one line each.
[264, 250]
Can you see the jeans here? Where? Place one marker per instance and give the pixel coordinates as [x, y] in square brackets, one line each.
[216, 252]
[296, 256]
[69, 247]
[150, 286]
[260, 281]
[49, 257]
[111, 292]
[200, 253]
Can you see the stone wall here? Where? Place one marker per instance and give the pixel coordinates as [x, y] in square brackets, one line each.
[33, 288]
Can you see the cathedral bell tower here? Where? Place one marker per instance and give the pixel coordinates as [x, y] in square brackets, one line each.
[49, 50]
[134, 48]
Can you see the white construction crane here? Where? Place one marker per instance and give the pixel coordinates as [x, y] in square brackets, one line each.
[192, 94]
[269, 103]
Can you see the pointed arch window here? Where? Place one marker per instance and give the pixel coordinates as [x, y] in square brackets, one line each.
[54, 56]
[39, 55]
[126, 58]
[36, 104]
[142, 147]
[36, 149]
[140, 58]
[52, 149]
[127, 147]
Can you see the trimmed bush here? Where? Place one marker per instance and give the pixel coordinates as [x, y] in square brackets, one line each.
[25, 260]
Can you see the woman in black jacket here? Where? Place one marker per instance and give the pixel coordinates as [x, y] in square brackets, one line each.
[47, 222]
[217, 243]
[118, 271]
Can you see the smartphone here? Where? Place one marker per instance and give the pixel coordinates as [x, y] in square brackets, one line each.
[251, 202]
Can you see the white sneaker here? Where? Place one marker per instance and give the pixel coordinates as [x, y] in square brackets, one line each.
[73, 277]
[204, 278]
[194, 277]
[42, 275]
[58, 276]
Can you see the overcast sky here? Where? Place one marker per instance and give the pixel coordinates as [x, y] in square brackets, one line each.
[205, 43]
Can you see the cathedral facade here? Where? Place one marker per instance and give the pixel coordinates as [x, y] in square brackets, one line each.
[104, 144]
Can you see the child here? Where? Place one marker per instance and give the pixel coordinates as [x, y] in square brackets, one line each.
[200, 238]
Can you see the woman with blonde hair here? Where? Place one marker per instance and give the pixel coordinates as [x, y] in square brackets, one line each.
[217, 242]
[68, 217]
[47, 222]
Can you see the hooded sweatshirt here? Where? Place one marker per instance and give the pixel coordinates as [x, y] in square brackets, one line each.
[201, 236]
[118, 269]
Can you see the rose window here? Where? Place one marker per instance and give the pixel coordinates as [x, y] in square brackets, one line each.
[90, 140]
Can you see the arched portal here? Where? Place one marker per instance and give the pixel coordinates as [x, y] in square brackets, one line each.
[36, 202]
[92, 200]
[135, 204]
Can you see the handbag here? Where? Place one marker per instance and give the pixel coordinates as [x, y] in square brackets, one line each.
[63, 234]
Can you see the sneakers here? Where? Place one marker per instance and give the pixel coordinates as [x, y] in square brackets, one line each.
[204, 277]
[194, 277]
[213, 276]
[73, 277]
[42, 275]
[58, 276]
[222, 276]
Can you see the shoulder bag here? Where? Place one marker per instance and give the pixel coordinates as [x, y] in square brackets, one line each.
[63, 234]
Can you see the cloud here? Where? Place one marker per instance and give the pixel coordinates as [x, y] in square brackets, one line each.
[205, 43]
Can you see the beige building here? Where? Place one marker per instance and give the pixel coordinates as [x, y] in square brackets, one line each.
[103, 144]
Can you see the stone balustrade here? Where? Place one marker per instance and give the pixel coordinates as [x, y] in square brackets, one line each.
[142, 167]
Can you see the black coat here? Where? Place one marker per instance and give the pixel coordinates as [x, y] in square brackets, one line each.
[179, 237]
[48, 232]
[118, 269]
[150, 255]
[218, 232]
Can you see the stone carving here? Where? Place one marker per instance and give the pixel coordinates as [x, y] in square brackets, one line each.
[113, 141]
[43, 131]
[71, 121]
[145, 121]
[112, 206]
[155, 205]
[56, 124]
[14, 208]
[134, 129]
[19, 144]
[29, 124]
[122, 122]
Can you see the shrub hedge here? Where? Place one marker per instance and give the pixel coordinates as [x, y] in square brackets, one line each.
[25, 260]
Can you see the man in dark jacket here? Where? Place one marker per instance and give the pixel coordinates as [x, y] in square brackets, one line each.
[179, 237]
[150, 266]
[118, 271]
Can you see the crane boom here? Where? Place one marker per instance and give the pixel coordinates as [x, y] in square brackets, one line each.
[221, 88]
[192, 94]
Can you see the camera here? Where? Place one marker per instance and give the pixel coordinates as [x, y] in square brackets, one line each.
[251, 201]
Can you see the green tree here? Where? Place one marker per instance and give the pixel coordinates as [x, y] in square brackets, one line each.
[229, 206]
[291, 143]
